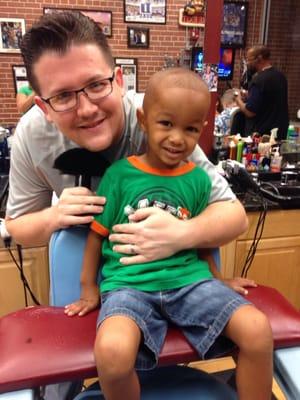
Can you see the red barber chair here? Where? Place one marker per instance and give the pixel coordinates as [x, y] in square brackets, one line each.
[41, 345]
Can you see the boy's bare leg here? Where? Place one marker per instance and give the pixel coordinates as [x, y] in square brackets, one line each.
[250, 330]
[117, 343]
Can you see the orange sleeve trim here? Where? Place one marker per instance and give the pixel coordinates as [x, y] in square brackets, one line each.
[98, 228]
[137, 163]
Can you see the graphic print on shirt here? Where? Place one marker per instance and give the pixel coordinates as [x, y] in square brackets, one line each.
[162, 198]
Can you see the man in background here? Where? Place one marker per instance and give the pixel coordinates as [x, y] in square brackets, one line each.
[266, 105]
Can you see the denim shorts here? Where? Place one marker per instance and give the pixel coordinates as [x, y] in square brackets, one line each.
[200, 310]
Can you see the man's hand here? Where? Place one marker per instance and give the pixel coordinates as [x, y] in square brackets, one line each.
[152, 236]
[89, 301]
[77, 205]
[239, 284]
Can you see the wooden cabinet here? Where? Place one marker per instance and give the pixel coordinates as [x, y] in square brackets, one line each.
[36, 270]
[277, 259]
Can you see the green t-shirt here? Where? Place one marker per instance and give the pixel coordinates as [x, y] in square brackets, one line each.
[25, 90]
[128, 185]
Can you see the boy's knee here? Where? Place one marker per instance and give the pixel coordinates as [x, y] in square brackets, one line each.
[113, 359]
[257, 335]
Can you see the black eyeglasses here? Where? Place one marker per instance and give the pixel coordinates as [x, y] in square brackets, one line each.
[67, 101]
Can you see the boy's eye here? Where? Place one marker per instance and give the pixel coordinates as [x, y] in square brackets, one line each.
[165, 123]
[192, 129]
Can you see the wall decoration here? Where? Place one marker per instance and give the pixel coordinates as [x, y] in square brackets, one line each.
[138, 37]
[103, 18]
[233, 32]
[129, 69]
[145, 11]
[20, 77]
[11, 32]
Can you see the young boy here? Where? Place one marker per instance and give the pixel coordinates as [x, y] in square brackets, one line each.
[138, 301]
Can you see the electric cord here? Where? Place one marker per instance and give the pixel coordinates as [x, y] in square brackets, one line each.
[257, 236]
[20, 265]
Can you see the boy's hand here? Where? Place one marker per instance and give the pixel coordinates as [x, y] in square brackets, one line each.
[239, 284]
[89, 301]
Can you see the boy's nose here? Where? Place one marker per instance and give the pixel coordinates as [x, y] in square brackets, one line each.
[176, 137]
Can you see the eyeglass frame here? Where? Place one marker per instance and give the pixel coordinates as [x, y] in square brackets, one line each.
[110, 79]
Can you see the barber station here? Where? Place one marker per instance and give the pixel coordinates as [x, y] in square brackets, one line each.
[250, 140]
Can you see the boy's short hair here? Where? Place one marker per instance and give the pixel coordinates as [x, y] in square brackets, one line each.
[58, 32]
[174, 77]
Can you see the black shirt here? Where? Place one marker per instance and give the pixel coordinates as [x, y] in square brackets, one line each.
[268, 99]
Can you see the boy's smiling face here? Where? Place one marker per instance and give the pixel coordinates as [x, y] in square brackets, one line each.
[173, 122]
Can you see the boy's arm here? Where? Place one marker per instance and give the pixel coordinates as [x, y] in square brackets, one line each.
[90, 294]
[237, 283]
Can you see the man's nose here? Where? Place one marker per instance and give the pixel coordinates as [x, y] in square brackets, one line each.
[85, 105]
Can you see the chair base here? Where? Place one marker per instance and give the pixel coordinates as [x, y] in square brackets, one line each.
[174, 383]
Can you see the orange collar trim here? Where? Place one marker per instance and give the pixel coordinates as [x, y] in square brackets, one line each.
[137, 163]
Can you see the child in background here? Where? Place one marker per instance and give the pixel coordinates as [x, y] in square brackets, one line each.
[138, 301]
[223, 119]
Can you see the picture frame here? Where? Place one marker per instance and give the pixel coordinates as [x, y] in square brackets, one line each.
[101, 17]
[233, 32]
[129, 68]
[19, 77]
[138, 37]
[11, 32]
[145, 11]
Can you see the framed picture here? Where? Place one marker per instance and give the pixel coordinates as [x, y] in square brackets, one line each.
[145, 11]
[20, 77]
[129, 68]
[233, 32]
[11, 32]
[103, 18]
[138, 37]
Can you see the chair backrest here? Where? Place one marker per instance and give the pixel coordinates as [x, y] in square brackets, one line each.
[65, 254]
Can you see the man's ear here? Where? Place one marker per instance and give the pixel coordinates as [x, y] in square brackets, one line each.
[40, 103]
[119, 79]
[141, 118]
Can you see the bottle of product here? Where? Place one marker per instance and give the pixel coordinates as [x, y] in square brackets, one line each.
[239, 151]
[276, 161]
[292, 137]
[232, 150]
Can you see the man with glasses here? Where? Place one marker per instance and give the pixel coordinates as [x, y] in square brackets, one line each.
[81, 104]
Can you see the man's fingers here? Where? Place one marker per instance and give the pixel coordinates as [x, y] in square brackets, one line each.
[122, 238]
[143, 213]
[138, 259]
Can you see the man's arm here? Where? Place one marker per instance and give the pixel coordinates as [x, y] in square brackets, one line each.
[156, 234]
[24, 102]
[75, 206]
[242, 107]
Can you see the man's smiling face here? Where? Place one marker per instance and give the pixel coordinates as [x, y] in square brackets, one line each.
[94, 125]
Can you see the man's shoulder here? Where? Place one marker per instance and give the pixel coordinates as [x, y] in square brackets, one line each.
[132, 98]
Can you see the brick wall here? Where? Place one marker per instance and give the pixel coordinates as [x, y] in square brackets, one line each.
[169, 39]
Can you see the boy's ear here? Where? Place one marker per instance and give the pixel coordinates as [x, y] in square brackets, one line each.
[141, 118]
